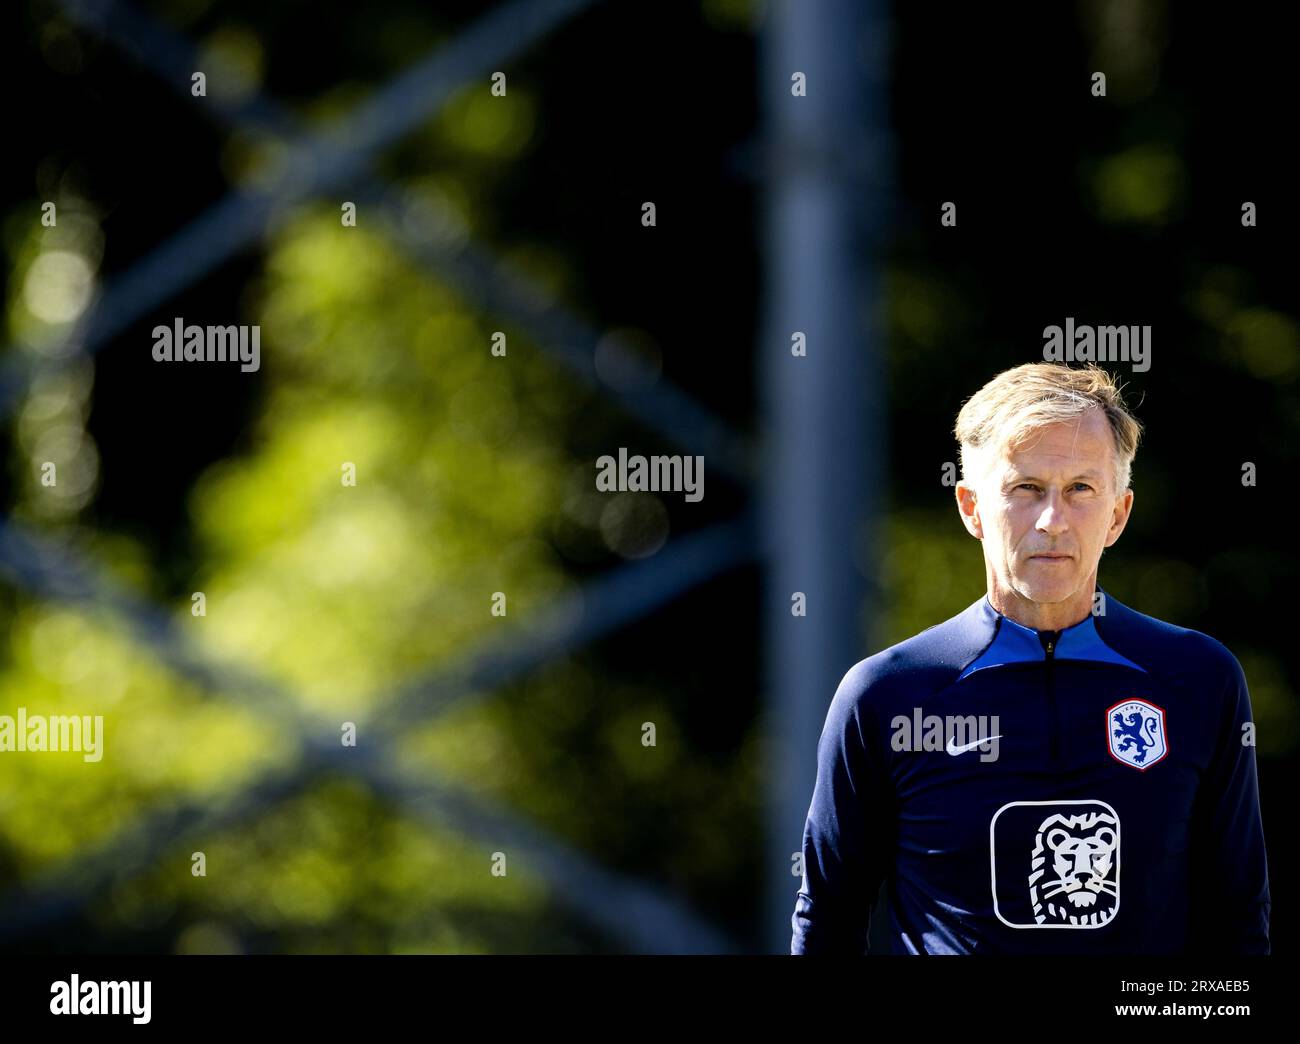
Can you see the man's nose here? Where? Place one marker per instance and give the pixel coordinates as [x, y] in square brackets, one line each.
[1052, 518]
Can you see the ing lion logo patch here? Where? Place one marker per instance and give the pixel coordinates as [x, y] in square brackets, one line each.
[1135, 733]
[1055, 864]
[1072, 861]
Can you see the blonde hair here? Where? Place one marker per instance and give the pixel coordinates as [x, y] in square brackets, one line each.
[1002, 415]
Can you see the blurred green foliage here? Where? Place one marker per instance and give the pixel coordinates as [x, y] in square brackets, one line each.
[467, 485]
[340, 594]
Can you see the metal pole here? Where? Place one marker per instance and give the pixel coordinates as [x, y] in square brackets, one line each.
[823, 474]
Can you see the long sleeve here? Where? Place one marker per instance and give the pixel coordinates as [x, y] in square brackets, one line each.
[1230, 901]
[847, 835]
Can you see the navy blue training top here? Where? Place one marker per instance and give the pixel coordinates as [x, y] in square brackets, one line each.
[1088, 791]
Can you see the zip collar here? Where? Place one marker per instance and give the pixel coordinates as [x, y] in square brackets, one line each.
[1012, 642]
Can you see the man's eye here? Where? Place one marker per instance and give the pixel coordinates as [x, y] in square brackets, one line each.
[1026, 485]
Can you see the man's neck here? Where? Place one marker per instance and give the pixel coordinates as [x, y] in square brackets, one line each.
[1042, 616]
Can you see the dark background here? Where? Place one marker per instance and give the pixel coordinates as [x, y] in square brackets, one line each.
[1124, 209]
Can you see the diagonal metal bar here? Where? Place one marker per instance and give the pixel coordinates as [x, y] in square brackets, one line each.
[57, 573]
[640, 915]
[316, 163]
[61, 892]
[661, 407]
[267, 117]
[569, 339]
[603, 605]
[643, 916]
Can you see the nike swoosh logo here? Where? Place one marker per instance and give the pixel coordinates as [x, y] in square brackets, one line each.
[954, 751]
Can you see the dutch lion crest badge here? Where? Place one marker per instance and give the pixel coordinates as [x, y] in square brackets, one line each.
[1135, 731]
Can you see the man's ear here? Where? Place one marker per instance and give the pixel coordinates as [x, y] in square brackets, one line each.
[968, 508]
[1120, 517]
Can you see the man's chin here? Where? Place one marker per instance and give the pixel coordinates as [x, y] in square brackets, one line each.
[1047, 590]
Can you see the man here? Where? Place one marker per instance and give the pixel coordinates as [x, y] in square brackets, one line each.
[1049, 771]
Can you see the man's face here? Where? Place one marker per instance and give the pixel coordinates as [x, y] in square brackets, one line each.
[1046, 511]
